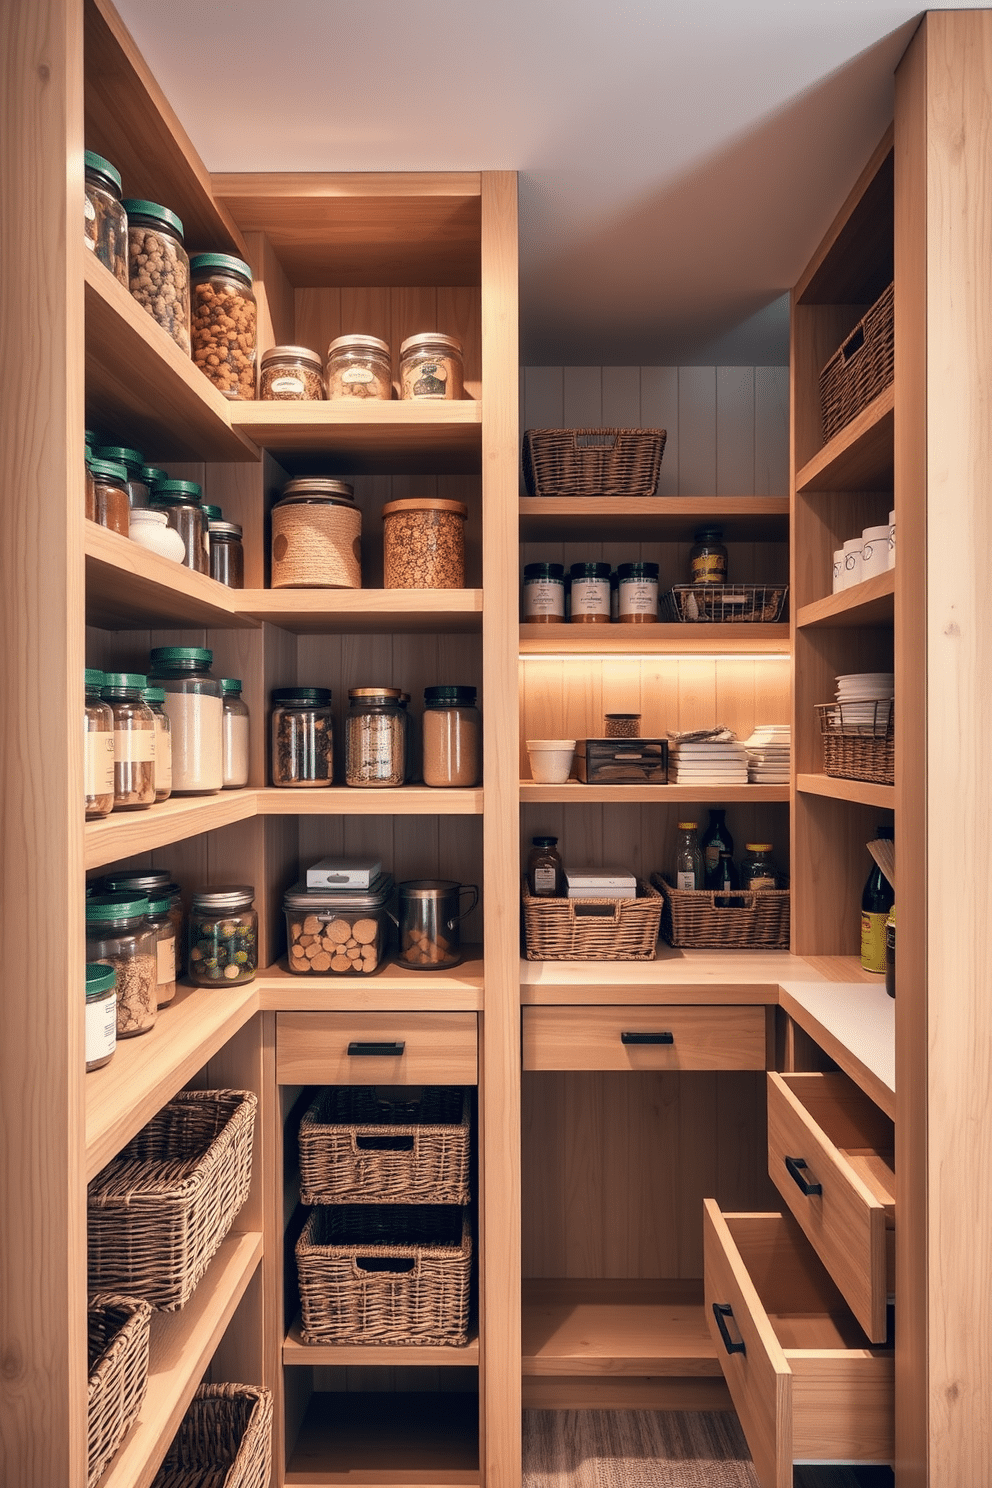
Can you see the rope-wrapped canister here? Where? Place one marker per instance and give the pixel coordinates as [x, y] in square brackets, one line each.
[316, 536]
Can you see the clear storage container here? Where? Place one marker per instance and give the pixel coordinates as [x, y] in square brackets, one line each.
[359, 367]
[224, 322]
[134, 465]
[111, 507]
[196, 714]
[118, 934]
[302, 736]
[158, 268]
[98, 762]
[431, 367]
[101, 1014]
[105, 220]
[154, 883]
[375, 745]
[161, 921]
[155, 698]
[338, 932]
[424, 543]
[223, 935]
[180, 500]
[227, 555]
[291, 374]
[134, 740]
[452, 737]
[236, 731]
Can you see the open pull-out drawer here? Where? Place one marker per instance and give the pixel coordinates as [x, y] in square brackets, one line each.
[830, 1155]
[807, 1385]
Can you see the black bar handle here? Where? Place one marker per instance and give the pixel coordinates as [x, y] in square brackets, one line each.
[376, 1051]
[796, 1167]
[722, 1310]
[647, 1038]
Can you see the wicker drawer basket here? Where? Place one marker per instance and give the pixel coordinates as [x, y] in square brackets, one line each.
[117, 1331]
[592, 929]
[362, 1145]
[159, 1210]
[225, 1441]
[691, 919]
[593, 462]
[858, 751]
[860, 368]
[397, 1274]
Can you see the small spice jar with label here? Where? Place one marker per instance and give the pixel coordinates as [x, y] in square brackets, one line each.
[236, 731]
[223, 935]
[227, 555]
[708, 557]
[302, 736]
[161, 922]
[101, 1014]
[134, 465]
[181, 502]
[155, 698]
[375, 746]
[316, 536]
[637, 585]
[452, 737]
[98, 762]
[359, 367]
[224, 322]
[104, 217]
[544, 593]
[134, 740]
[118, 934]
[111, 507]
[589, 584]
[757, 869]
[158, 267]
[290, 374]
[424, 543]
[431, 367]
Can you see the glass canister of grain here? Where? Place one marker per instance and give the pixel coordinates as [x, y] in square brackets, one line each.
[98, 762]
[160, 920]
[104, 217]
[181, 502]
[359, 367]
[119, 935]
[101, 1014]
[544, 593]
[302, 736]
[193, 703]
[223, 935]
[431, 367]
[155, 698]
[236, 730]
[111, 507]
[424, 543]
[708, 557]
[223, 322]
[134, 740]
[316, 536]
[375, 737]
[227, 555]
[158, 267]
[290, 374]
[452, 737]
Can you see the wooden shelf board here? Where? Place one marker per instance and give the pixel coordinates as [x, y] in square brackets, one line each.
[147, 1071]
[860, 456]
[142, 389]
[574, 792]
[343, 800]
[364, 611]
[182, 1344]
[616, 1328]
[872, 602]
[712, 977]
[403, 1440]
[855, 1024]
[369, 437]
[129, 588]
[862, 792]
[123, 834]
[392, 989]
[654, 640]
[652, 518]
[295, 1351]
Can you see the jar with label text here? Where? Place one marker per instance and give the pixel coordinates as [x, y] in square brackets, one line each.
[302, 736]
[158, 267]
[589, 585]
[134, 465]
[227, 555]
[193, 703]
[101, 1014]
[154, 883]
[181, 502]
[708, 557]
[431, 367]
[375, 737]
[236, 729]
[359, 367]
[290, 374]
[638, 593]
[223, 935]
[545, 872]
[98, 761]
[757, 869]
[452, 737]
[134, 740]
[223, 322]
[155, 698]
[161, 922]
[104, 217]
[119, 935]
[111, 507]
[544, 593]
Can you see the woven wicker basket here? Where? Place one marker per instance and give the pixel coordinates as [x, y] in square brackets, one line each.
[385, 1275]
[592, 929]
[359, 1146]
[692, 920]
[225, 1441]
[593, 462]
[860, 368]
[117, 1350]
[858, 751]
[158, 1212]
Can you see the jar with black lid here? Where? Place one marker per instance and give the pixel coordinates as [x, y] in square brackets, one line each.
[98, 762]
[638, 593]
[452, 737]
[105, 220]
[291, 374]
[118, 934]
[101, 1014]
[158, 268]
[111, 505]
[181, 501]
[134, 464]
[224, 322]
[223, 935]
[544, 593]
[708, 557]
[227, 555]
[375, 743]
[302, 736]
[589, 584]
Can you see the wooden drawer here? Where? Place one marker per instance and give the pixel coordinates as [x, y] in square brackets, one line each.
[830, 1154]
[333, 1049]
[644, 1038]
[806, 1382]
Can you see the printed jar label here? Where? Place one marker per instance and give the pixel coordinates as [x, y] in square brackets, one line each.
[762, 883]
[134, 746]
[432, 381]
[163, 760]
[98, 766]
[709, 568]
[287, 385]
[101, 1027]
[590, 596]
[544, 880]
[357, 374]
[638, 597]
[686, 880]
[166, 952]
[544, 597]
[873, 941]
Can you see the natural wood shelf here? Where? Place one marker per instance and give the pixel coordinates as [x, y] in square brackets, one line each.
[574, 792]
[181, 1347]
[872, 602]
[129, 588]
[654, 640]
[652, 518]
[856, 1025]
[616, 1327]
[141, 389]
[392, 989]
[368, 611]
[859, 457]
[344, 800]
[371, 437]
[295, 1351]
[704, 977]
[401, 1440]
[862, 792]
[124, 834]
[146, 1071]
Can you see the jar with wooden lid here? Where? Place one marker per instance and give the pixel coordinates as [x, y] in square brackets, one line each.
[424, 543]
[290, 374]
[134, 740]
[359, 367]
[98, 761]
[161, 923]
[227, 555]
[101, 1014]
[104, 217]
[155, 698]
[193, 703]
[134, 464]
[223, 935]
[158, 267]
[119, 935]
[181, 502]
[637, 585]
[375, 741]
[589, 586]
[224, 322]
[302, 736]
[431, 367]
[111, 507]
[316, 536]
[452, 742]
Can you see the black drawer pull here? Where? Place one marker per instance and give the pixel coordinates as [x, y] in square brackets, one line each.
[796, 1167]
[722, 1310]
[376, 1051]
[647, 1038]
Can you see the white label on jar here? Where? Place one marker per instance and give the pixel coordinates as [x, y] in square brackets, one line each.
[197, 741]
[101, 1027]
[163, 757]
[134, 746]
[89, 209]
[544, 597]
[288, 385]
[166, 950]
[357, 374]
[638, 596]
[590, 596]
[98, 768]
[686, 880]
[544, 880]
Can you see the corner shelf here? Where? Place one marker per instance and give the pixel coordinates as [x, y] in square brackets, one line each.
[862, 792]
[652, 518]
[872, 602]
[616, 1328]
[370, 611]
[574, 792]
[295, 1351]
[654, 640]
[370, 437]
[128, 587]
[860, 456]
[344, 800]
[389, 990]
[124, 834]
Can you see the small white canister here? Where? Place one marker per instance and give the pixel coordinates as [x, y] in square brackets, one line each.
[838, 569]
[852, 562]
[875, 552]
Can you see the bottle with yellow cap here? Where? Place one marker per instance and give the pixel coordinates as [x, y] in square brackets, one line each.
[757, 869]
[688, 857]
[876, 902]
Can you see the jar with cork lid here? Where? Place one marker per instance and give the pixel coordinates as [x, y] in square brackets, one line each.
[424, 543]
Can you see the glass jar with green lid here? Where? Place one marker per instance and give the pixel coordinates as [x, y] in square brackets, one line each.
[161, 921]
[302, 736]
[153, 883]
[101, 1014]
[134, 464]
[223, 935]
[134, 740]
[180, 500]
[155, 698]
[375, 737]
[158, 267]
[111, 505]
[236, 734]
[224, 322]
[118, 934]
[98, 760]
[196, 714]
[104, 217]
[152, 474]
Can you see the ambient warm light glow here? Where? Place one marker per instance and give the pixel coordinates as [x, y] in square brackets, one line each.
[656, 658]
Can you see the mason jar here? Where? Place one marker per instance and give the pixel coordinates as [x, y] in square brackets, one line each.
[155, 698]
[153, 883]
[180, 500]
[375, 746]
[452, 737]
[98, 763]
[431, 367]
[158, 268]
[236, 731]
[302, 736]
[134, 464]
[227, 556]
[101, 1014]
[359, 367]
[118, 934]
[104, 219]
[224, 322]
[193, 703]
[223, 935]
[161, 921]
[134, 740]
[291, 374]
[111, 506]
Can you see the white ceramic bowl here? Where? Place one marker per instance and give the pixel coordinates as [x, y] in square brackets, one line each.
[550, 760]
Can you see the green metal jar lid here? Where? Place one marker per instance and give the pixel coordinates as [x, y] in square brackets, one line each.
[435, 695]
[152, 212]
[94, 162]
[110, 470]
[91, 437]
[93, 677]
[153, 694]
[124, 682]
[201, 261]
[212, 513]
[100, 978]
[188, 490]
[320, 696]
[132, 458]
[159, 904]
[230, 684]
[164, 655]
[152, 475]
[123, 906]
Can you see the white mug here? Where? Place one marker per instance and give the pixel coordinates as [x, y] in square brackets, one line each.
[892, 539]
[852, 562]
[838, 569]
[875, 553]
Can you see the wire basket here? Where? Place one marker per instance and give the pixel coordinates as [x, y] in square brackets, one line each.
[861, 367]
[856, 747]
[726, 604]
[117, 1331]
[593, 462]
[224, 1441]
[742, 920]
[592, 929]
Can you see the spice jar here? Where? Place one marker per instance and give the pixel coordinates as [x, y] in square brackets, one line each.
[236, 722]
[193, 703]
[622, 725]
[757, 869]
[302, 736]
[151, 475]
[224, 322]
[223, 935]
[424, 544]
[544, 593]
[589, 584]
[101, 1014]
[431, 367]
[110, 500]
[359, 367]
[134, 465]
[155, 698]
[291, 374]
[149, 528]
[158, 268]
[316, 536]
[134, 740]
[160, 920]
[545, 871]
[708, 557]
[375, 737]
[104, 217]
[153, 883]
[227, 556]
[637, 600]
[98, 761]
[180, 500]
[118, 934]
[452, 746]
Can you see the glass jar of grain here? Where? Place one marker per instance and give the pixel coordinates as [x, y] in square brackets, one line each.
[290, 374]
[134, 740]
[452, 744]
[359, 367]
[375, 744]
[119, 935]
[424, 543]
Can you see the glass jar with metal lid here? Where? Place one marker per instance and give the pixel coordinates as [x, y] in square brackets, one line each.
[161, 922]
[134, 464]
[111, 506]
[101, 1014]
[302, 736]
[757, 869]
[638, 593]
[359, 367]
[118, 934]
[236, 732]
[98, 762]
[134, 740]
[155, 698]
[291, 374]
[181, 501]
[193, 703]
[316, 536]
[227, 555]
[544, 593]
[375, 737]
[452, 742]
[224, 322]
[223, 935]
[158, 267]
[105, 220]
[431, 367]
[589, 586]
[153, 883]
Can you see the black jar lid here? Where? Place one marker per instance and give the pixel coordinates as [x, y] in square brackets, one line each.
[544, 570]
[438, 697]
[708, 534]
[302, 697]
[637, 570]
[589, 571]
[154, 213]
[127, 905]
[95, 164]
[544, 841]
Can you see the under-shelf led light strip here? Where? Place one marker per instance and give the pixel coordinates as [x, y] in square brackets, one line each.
[656, 658]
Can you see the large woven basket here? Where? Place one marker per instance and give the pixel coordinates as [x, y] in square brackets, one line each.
[753, 920]
[225, 1441]
[861, 367]
[592, 929]
[359, 1145]
[593, 462]
[117, 1351]
[159, 1210]
[857, 750]
[398, 1274]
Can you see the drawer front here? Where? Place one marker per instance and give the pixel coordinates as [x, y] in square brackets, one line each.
[844, 1222]
[376, 1049]
[644, 1038]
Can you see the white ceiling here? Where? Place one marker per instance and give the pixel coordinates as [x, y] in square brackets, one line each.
[678, 161]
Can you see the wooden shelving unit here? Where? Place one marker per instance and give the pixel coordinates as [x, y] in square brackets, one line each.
[575, 792]
[369, 438]
[859, 457]
[654, 640]
[343, 800]
[869, 603]
[364, 611]
[640, 518]
[609, 1327]
[458, 990]
[126, 834]
[127, 588]
[862, 792]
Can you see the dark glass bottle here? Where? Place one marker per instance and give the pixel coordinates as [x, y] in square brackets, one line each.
[876, 901]
[725, 881]
[545, 875]
[715, 842]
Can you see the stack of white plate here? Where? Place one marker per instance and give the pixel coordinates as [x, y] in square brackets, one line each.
[866, 697]
[708, 762]
[769, 752]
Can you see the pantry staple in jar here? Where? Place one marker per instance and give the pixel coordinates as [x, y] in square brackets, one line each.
[111, 507]
[375, 737]
[134, 740]
[424, 544]
[134, 466]
[158, 268]
[589, 585]
[155, 698]
[223, 322]
[708, 557]
[118, 934]
[431, 367]
[622, 726]
[227, 556]
[101, 1014]
[544, 593]
[359, 367]
[223, 935]
[316, 536]
[291, 374]
[302, 736]
[236, 721]
[452, 754]
[104, 217]
[181, 502]
[153, 883]
[98, 759]
[160, 920]
[149, 528]
[638, 593]
[338, 932]
[196, 714]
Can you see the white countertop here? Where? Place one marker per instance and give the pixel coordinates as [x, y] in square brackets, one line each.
[855, 1022]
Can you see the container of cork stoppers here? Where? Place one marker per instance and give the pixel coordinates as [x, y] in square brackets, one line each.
[424, 543]
[316, 536]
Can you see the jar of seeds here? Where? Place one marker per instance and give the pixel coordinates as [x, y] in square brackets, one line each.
[98, 762]
[224, 322]
[431, 367]
[134, 740]
[111, 507]
[158, 268]
[302, 736]
[223, 935]
[118, 934]
[104, 218]
[359, 367]
[424, 543]
[291, 374]
[161, 922]
[375, 744]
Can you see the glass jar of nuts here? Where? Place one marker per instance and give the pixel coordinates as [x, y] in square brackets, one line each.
[158, 268]
[224, 322]
[359, 367]
[223, 935]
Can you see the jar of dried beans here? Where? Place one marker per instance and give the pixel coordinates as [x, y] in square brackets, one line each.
[111, 507]
[431, 367]
[119, 935]
[359, 367]
[316, 536]
[105, 220]
[224, 322]
[134, 740]
[375, 737]
[302, 736]
[158, 268]
[452, 754]
[223, 935]
[193, 703]
[424, 543]
[98, 764]
[290, 374]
